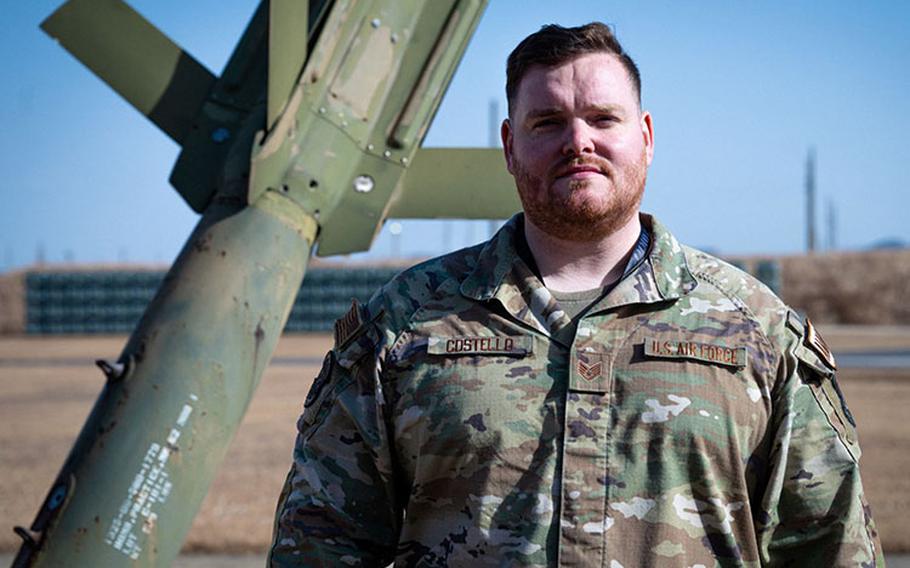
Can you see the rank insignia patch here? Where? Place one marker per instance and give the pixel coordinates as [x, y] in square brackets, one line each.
[591, 371]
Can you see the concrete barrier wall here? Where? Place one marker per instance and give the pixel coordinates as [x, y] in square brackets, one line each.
[851, 288]
[112, 301]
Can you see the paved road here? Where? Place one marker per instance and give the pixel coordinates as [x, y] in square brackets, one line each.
[874, 360]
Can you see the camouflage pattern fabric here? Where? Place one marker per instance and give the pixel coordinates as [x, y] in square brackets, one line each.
[688, 424]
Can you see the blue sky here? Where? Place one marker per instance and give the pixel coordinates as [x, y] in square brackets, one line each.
[739, 91]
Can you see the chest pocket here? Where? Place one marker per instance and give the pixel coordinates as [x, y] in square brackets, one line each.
[458, 392]
[478, 372]
[701, 391]
[689, 363]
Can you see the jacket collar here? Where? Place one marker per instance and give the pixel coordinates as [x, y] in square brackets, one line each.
[501, 274]
[663, 276]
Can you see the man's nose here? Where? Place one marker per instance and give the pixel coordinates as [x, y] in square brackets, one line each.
[578, 138]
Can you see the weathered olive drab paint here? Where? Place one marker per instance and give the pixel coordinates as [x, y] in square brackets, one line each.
[444, 183]
[192, 365]
[363, 104]
[154, 75]
[300, 145]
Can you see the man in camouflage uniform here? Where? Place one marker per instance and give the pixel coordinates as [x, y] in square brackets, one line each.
[582, 390]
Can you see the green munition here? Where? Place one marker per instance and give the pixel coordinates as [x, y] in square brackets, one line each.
[306, 141]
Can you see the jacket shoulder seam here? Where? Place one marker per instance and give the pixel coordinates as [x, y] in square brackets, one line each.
[742, 307]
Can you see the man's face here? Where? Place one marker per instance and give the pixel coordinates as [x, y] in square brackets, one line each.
[579, 147]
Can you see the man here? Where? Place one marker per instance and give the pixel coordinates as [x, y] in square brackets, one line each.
[582, 390]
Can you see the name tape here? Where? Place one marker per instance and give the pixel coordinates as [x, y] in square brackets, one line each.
[708, 352]
[478, 345]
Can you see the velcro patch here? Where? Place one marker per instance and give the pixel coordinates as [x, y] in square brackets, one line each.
[707, 352]
[590, 371]
[348, 324]
[593, 372]
[515, 346]
[814, 341]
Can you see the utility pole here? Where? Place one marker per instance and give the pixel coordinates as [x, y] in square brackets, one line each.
[832, 225]
[810, 201]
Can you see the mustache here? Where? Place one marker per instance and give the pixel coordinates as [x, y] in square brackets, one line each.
[569, 163]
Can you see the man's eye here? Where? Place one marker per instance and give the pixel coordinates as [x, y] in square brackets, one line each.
[605, 119]
[546, 123]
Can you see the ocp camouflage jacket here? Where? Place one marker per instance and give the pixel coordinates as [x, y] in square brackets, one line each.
[693, 421]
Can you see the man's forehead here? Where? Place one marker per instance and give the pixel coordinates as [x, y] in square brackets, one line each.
[603, 64]
[600, 76]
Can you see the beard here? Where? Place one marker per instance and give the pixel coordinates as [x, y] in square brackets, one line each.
[580, 215]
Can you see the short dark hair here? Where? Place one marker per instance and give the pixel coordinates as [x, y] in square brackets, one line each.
[553, 45]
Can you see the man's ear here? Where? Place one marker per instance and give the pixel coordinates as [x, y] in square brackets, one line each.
[647, 132]
[505, 131]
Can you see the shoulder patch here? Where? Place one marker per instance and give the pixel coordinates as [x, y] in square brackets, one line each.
[814, 341]
[356, 334]
[813, 352]
[811, 348]
[347, 325]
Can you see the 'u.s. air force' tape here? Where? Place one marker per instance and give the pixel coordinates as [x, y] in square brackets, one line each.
[731, 356]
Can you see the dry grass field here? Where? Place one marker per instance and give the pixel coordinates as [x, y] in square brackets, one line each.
[45, 396]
